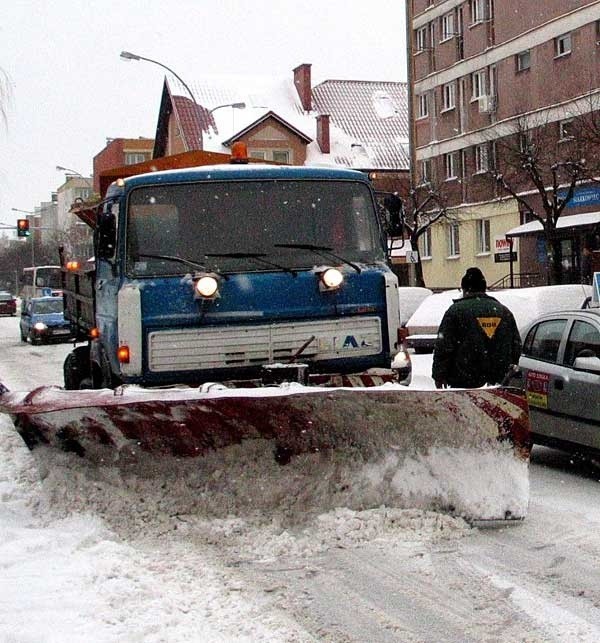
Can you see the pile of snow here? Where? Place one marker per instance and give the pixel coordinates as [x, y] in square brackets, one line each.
[526, 304]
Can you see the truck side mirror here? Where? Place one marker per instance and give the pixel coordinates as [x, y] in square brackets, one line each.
[107, 235]
[395, 208]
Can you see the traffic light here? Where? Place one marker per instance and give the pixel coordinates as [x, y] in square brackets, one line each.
[23, 228]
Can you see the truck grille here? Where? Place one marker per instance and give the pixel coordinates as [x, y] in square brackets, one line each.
[239, 346]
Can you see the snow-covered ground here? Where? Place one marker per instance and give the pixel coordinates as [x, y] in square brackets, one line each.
[78, 566]
[86, 560]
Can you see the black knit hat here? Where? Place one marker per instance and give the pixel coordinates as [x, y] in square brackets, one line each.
[473, 281]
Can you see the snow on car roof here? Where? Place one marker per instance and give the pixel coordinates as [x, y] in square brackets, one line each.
[525, 303]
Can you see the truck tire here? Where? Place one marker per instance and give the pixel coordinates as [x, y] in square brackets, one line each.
[76, 369]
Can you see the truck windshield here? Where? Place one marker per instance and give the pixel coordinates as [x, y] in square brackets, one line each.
[226, 225]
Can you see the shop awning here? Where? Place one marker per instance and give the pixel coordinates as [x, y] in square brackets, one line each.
[565, 222]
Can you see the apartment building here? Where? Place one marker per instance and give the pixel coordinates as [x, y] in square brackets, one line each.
[479, 69]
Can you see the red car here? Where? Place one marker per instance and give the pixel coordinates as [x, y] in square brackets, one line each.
[8, 304]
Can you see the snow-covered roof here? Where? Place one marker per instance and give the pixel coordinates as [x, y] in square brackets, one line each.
[368, 119]
[571, 221]
[374, 115]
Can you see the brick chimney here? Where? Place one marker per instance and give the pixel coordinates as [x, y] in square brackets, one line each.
[302, 82]
[323, 133]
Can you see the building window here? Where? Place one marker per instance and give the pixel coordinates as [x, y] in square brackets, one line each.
[278, 156]
[482, 161]
[425, 241]
[450, 166]
[479, 10]
[565, 130]
[523, 60]
[449, 96]
[483, 236]
[448, 26]
[82, 193]
[423, 106]
[281, 156]
[478, 84]
[421, 39]
[131, 158]
[425, 171]
[562, 45]
[453, 240]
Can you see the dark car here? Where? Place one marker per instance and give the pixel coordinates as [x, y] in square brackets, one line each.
[560, 372]
[43, 320]
[8, 303]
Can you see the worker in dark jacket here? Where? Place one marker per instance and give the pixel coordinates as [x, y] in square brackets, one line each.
[478, 340]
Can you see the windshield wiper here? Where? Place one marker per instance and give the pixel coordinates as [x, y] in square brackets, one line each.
[324, 251]
[258, 256]
[185, 262]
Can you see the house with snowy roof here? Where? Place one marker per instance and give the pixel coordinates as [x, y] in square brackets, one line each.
[357, 124]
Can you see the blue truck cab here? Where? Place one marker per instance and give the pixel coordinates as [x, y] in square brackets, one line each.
[210, 273]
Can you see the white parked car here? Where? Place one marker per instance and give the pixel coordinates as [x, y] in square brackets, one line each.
[525, 304]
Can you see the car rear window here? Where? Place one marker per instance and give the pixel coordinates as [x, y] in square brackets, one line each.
[4, 296]
[543, 340]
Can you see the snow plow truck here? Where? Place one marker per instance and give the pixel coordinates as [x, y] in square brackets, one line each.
[236, 304]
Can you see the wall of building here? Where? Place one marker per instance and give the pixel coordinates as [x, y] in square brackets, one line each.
[442, 272]
[272, 135]
[554, 87]
[115, 155]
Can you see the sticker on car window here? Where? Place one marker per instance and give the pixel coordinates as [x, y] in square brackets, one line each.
[536, 388]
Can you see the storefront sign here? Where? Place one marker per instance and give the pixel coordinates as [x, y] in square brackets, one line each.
[582, 196]
[502, 250]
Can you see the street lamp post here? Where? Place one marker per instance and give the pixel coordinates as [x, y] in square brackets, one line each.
[60, 168]
[234, 105]
[127, 55]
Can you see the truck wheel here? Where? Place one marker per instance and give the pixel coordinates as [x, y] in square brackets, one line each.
[76, 369]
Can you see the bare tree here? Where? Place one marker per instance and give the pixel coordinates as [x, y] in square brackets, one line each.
[425, 205]
[412, 216]
[540, 165]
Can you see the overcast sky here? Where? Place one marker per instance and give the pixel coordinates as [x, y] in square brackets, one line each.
[69, 90]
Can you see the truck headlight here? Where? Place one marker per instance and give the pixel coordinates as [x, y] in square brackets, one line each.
[331, 278]
[206, 286]
[40, 326]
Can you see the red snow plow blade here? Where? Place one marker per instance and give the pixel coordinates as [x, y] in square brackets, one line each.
[391, 431]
